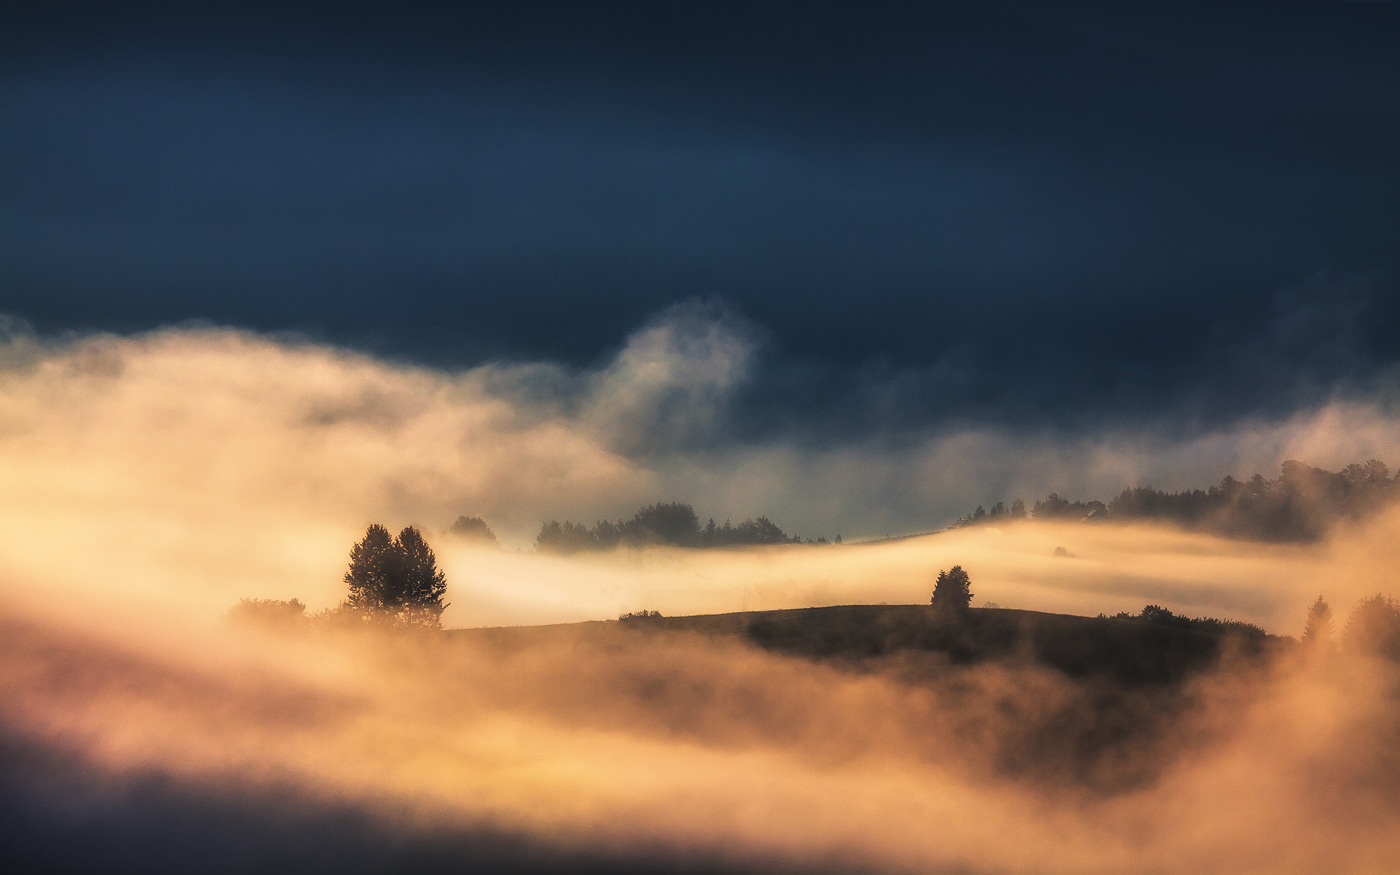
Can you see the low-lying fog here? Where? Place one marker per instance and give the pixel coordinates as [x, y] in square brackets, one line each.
[149, 484]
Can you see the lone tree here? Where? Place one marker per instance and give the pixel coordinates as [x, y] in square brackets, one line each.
[395, 580]
[952, 593]
[1318, 632]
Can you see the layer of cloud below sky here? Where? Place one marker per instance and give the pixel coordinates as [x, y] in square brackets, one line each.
[187, 419]
[991, 215]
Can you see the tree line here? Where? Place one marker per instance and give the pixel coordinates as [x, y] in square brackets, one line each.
[1156, 615]
[1299, 505]
[669, 524]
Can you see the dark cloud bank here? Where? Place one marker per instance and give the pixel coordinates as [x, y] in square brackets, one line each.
[982, 212]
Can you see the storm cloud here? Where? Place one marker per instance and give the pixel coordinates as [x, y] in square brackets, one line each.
[998, 215]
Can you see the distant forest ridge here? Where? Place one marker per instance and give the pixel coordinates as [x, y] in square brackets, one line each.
[1302, 504]
[672, 524]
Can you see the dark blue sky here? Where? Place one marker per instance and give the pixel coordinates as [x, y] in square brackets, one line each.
[983, 212]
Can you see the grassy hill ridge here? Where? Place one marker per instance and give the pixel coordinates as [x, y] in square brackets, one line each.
[1129, 651]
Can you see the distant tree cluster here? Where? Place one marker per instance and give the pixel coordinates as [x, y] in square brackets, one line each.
[1300, 505]
[999, 513]
[1160, 616]
[1055, 507]
[639, 615]
[671, 524]
[473, 528]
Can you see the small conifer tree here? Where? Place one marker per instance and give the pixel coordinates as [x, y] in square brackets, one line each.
[370, 571]
[953, 591]
[395, 580]
[1318, 632]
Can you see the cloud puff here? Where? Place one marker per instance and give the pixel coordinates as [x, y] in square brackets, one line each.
[670, 386]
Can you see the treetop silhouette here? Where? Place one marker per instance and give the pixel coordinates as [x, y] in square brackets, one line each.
[1299, 505]
[1373, 628]
[668, 523]
[1318, 632]
[952, 593]
[473, 528]
[395, 580]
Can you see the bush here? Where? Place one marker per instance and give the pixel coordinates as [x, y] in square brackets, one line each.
[639, 615]
[268, 613]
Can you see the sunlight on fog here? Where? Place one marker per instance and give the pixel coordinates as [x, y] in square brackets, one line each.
[148, 485]
[1109, 569]
[219, 465]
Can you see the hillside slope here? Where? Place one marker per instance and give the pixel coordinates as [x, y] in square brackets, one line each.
[1128, 651]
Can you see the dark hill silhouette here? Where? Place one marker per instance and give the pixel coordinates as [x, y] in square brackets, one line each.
[1097, 702]
[1154, 648]
[1128, 651]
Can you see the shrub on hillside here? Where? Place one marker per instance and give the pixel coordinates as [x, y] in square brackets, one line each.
[268, 613]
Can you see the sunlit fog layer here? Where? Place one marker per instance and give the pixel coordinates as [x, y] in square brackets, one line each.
[150, 483]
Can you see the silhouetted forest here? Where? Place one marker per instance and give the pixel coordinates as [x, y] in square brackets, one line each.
[1300, 505]
[673, 524]
[1157, 615]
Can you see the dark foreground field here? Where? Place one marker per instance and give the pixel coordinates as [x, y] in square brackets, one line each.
[1094, 706]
